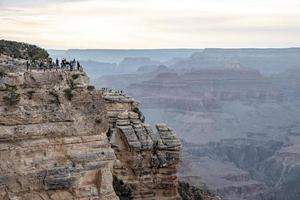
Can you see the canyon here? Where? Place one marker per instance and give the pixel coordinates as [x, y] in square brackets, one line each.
[240, 129]
[236, 113]
[54, 142]
[62, 139]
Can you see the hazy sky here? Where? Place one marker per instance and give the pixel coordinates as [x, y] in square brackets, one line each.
[151, 23]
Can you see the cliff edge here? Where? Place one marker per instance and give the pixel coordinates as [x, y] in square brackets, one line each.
[62, 139]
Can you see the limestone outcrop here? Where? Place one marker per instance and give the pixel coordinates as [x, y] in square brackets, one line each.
[53, 147]
[146, 161]
[60, 140]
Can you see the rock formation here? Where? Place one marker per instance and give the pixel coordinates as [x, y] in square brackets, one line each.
[240, 129]
[61, 139]
[145, 161]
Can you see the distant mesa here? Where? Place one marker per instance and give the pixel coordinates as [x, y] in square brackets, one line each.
[135, 63]
[153, 68]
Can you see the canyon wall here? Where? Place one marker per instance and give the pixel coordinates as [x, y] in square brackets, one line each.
[240, 129]
[61, 139]
[146, 161]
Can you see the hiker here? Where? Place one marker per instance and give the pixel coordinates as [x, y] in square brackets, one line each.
[63, 63]
[51, 65]
[41, 65]
[27, 65]
[74, 65]
[78, 66]
[45, 66]
[71, 65]
[57, 62]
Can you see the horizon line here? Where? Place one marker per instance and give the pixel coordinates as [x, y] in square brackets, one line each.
[179, 48]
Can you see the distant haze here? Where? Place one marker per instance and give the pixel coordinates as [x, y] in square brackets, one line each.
[64, 24]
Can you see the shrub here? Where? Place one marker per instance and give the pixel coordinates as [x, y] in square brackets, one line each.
[188, 192]
[71, 84]
[123, 191]
[30, 94]
[12, 99]
[75, 76]
[22, 50]
[141, 116]
[2, 73]
[98, 120]
[68, 93]
[56, 97]
[90, 87]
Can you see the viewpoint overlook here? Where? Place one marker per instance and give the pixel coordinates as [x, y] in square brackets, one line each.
[60, 138]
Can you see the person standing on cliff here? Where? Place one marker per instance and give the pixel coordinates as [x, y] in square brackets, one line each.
[63, 63]
[27, 65]
[78, 66]
[71, 65]
[57, 62]
[41, 65]
[49, 63]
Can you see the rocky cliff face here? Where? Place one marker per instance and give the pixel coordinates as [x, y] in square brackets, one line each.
[61, 139]
[146, 162]
[241, 133]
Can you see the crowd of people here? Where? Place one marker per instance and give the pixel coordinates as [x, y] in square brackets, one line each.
[108, 90]
[49, 64]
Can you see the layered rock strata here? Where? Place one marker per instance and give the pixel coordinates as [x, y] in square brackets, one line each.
[146, 162]
[54, 145]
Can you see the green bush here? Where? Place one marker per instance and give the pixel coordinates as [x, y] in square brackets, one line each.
[30, 94]
[22, 50]
[56, 97]
[75, 76]
[90, 87]
[123, 191]
[2, 73]
[12, 99]
[71, 84]
[188, 192]
[68, 93]
[141, 116]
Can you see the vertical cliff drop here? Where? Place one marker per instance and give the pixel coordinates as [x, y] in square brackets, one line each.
[147, 162]
[54, 145]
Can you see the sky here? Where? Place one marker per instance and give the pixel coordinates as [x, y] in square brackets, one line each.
[139, 24]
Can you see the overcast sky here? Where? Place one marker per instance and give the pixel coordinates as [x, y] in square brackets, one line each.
[66, 24]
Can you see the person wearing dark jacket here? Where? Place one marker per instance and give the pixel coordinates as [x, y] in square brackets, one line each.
[57, 62]
[27, 65]
[41, 65]
[78, 66]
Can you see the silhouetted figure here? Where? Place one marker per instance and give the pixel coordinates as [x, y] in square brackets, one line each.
[45, 67]
[63, 64]
[41, 65]
[78, 66]
[57, 62]
[51, 66]
[68, 65]
[27, 65]
[71, 65]
[49, 61]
